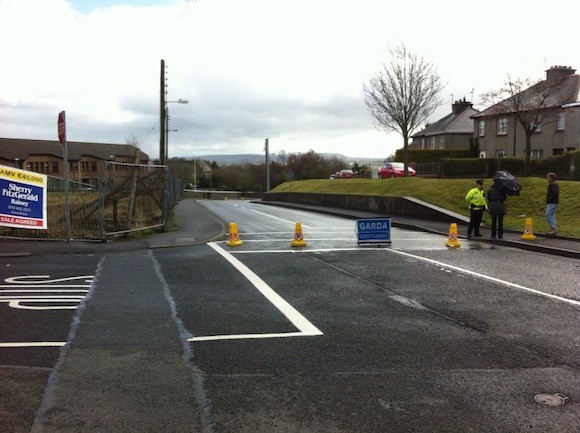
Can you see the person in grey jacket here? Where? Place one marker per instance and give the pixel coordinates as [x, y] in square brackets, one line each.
[496, 198]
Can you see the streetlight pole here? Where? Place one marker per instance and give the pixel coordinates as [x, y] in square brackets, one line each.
[194, 173]
[166, 124]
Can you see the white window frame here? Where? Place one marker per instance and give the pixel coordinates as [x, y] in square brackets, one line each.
[481, 128]
[502, 126]
[500, 153]
[433, 143]
[561, 122]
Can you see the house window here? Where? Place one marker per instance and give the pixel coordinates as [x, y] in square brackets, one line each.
[561, 122]
[502, 128]
[482, 154]
[538, 126]
[500, 153]
[93, 166]
[537, 153]
[558, 151]
[55, 167]
[571, 149]
[482, 128]
[432, 142]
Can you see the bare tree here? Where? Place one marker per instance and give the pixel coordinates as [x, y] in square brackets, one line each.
[533, 104]
[403, 95]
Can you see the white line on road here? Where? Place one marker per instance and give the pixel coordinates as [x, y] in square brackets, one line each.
[35, 344]
[298, 320]
[302, 251]
[276, 218]
[487, 277]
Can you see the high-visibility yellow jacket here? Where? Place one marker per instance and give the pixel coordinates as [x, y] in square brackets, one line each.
[476, 198]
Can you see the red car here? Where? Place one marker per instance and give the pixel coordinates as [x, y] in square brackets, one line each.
[345, 174]
[394, 169]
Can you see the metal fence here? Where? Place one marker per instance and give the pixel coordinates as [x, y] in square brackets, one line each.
[129, 198]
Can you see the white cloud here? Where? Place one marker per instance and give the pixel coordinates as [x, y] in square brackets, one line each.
[290, 71]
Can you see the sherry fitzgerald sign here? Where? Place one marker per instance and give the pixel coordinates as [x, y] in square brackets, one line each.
[22, 198]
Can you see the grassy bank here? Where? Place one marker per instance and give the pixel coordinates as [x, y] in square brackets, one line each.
[450, 194]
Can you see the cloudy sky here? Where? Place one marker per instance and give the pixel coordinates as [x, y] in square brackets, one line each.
[292, 71]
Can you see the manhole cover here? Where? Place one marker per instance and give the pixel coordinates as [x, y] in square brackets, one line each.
[551, 399]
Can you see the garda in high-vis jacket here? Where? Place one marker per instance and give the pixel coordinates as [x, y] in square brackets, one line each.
[476, 198]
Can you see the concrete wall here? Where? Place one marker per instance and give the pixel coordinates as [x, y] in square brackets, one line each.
[402, 206]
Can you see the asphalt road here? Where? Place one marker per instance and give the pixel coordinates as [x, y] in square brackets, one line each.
[265, 337]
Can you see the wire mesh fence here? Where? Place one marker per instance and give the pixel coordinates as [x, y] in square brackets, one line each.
[129, 198]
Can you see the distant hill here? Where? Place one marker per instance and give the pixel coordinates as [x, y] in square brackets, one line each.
[251, 158]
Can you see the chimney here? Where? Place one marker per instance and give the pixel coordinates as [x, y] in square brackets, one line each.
[460, 106]
[556, 73]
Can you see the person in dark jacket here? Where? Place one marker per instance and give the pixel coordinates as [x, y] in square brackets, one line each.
[496, 198]
[552, 203]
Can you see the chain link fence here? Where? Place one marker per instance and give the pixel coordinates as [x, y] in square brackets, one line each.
[130, 198]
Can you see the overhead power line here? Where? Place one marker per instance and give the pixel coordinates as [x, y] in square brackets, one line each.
[208, 130]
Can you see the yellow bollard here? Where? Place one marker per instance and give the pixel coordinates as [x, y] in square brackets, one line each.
[234, 237]
[452, 239]
[528, 230]
[298, 240]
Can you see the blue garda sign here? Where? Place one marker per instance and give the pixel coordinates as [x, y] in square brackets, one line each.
[373, 230]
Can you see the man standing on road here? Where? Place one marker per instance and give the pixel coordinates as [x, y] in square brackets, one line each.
[476, 199]
[552, 203]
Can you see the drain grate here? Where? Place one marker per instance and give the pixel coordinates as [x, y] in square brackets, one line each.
[551, 399]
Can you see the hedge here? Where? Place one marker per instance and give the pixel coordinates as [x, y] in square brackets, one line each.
[563, 165]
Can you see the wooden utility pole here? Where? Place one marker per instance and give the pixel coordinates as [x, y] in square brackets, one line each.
[162, 117]
[267, 149]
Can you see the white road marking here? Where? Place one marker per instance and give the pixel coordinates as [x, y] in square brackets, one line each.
[26, 292]
[35, 344]
[39, 292]
[290, 239]
[487, 277]
[308, 250]
[276, 218]
[298, 320]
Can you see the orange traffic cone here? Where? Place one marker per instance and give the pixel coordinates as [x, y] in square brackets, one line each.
[528, 230]
[452, 239]
[298, 240]
[234, 237]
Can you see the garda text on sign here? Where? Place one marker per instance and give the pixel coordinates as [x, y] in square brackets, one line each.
[373, 230]
[22, 198]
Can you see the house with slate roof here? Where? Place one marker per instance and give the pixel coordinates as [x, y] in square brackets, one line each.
[454, 131]
[499, 134]
[86, 160]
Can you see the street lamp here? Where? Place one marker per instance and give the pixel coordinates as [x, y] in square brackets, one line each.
[166, 147]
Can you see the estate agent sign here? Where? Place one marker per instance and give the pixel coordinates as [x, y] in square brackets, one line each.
[22, 198]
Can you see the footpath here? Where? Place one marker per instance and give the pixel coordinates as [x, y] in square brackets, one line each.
[195, 225]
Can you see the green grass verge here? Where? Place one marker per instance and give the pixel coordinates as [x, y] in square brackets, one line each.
[450, 194]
